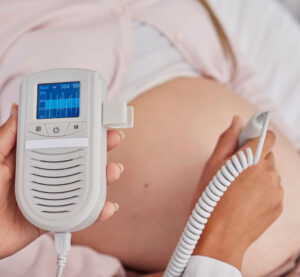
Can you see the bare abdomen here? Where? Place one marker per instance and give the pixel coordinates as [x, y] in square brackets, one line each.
[176, 127]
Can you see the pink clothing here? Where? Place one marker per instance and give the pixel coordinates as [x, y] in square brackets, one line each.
[39, 259]
[58, 33]
[97, 35]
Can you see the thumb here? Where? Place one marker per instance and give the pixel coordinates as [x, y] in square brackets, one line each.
[228, 141]
[8, 133]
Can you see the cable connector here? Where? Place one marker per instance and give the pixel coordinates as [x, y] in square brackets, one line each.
[62, 246]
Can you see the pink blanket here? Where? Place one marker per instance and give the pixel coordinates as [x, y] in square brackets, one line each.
[39, 259]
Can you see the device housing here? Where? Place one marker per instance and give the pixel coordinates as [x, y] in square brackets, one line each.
[61, 162]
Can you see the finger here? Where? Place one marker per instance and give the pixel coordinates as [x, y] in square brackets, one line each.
[228, 141]
[8, 133]
[5, 180]
[10, 161]
[113, 172]
[270, 160]
[268, 144]
[270, 157]
[108, 210]
[114, 138]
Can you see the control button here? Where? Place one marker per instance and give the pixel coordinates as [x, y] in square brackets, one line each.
[56, 129]
[38, 129]
[75, 127]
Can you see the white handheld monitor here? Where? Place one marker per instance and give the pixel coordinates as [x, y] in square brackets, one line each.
[62, 147]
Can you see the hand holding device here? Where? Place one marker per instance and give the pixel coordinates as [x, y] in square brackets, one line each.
[16, 231]
[245, 160]
[61, 151]
[61, 147]
[244, 212]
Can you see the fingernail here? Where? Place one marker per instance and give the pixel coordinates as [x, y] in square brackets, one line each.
[14, 110]
[122, 134]
[116, 206]
[121, 167]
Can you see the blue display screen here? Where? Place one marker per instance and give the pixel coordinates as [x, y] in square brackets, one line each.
[58, 100]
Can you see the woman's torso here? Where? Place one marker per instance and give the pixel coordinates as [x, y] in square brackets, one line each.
[176, 127]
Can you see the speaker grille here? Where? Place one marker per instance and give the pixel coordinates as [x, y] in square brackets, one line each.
[54, 180]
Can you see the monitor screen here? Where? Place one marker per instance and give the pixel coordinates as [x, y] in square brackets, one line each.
[58, 100]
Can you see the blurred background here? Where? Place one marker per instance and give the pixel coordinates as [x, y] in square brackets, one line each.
[293, 6]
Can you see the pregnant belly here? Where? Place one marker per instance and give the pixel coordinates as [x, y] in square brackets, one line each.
[176, 127]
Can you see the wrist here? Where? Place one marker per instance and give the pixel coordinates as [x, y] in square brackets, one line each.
[221, 249]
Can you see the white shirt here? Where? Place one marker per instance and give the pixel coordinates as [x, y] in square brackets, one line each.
[200, 266]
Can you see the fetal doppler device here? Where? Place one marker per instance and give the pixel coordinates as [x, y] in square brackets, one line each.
[256, 127]
[62, 151]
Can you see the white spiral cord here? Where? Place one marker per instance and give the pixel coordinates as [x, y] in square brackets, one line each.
[208, 200]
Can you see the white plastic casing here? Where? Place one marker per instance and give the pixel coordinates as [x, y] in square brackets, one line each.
[61, 175]
[253, 128]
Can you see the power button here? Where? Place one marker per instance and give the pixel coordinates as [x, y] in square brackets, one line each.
[56, 129]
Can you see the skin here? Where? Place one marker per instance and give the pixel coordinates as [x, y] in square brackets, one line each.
[176, 127]
[171, 172]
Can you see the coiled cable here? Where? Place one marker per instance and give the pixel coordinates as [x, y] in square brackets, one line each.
[208, 200]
